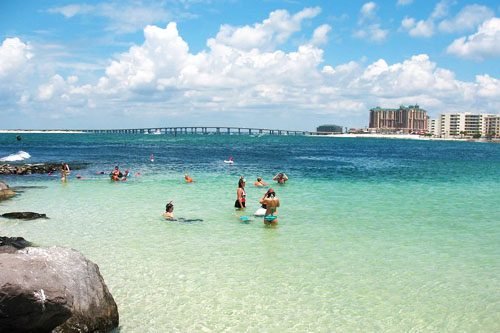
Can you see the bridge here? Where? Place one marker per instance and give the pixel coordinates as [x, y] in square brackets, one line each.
[207, 130]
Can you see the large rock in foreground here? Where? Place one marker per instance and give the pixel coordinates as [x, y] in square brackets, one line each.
[53, 290]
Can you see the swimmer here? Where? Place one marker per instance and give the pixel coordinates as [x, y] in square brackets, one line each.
[240, 194]
[169, 215]
[260, 182]
[116, 174]
[272, 203]
[169, 212]
[281, 178]
[188, 179]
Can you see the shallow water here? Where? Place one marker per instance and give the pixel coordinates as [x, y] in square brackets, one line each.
[373, 235]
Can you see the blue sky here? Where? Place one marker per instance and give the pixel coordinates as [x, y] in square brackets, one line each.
[282, 64]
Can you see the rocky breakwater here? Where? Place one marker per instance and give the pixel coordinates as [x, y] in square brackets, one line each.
[52, 289]
[40, 168]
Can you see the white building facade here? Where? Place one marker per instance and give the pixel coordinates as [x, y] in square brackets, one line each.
[465, 124]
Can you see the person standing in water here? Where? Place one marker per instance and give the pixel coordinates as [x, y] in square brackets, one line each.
[65, 171]
[240, 194]
[272, 203]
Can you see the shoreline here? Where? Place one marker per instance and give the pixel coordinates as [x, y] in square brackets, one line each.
[404, 137]
[343, 135]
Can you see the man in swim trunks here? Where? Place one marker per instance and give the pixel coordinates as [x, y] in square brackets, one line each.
[272, 203]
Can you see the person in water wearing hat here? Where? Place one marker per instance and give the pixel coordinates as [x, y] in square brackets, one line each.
[272, 203]
[240, 194]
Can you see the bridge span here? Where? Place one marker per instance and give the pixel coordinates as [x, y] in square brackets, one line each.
[207, 130]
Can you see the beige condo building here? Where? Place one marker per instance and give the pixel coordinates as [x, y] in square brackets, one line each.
[465, 124]
[406, 119]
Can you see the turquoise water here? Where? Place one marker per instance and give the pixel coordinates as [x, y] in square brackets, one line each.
[374, 234]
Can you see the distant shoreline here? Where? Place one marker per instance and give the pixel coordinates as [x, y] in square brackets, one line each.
[344, 135]
[403, 137]
[41, 131]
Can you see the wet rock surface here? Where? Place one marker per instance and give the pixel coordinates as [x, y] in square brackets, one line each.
[24, 215]
[53, 290]
[38, 168]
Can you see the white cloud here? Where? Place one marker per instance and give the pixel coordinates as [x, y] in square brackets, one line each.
[71, 10]
[425, 28]
[467, 19]
[404, 2]
[372, 32]
[485, 43]
[122, 17]
[320, 35]
[14, 54]
[368, 26]
[367, 11]
[273, 31]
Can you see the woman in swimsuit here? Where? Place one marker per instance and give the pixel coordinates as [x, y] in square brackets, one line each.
[65, 171]
[240, 194]
[272, 203]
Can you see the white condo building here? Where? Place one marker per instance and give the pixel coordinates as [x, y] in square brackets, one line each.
[465, 124]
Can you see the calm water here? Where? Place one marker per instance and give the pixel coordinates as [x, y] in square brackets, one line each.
[374, 234]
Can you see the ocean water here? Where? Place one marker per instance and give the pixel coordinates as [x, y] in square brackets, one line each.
[373, 234]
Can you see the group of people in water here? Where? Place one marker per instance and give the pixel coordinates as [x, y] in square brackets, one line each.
[270, 202]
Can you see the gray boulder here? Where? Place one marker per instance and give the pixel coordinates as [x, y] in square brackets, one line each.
[53, 290]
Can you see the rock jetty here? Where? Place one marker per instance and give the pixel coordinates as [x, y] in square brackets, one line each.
[52, 289]
[28, 169]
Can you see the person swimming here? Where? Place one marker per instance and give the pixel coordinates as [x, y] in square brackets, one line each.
[116, 174]
[169, 211]
[281, 178]
[169, 215]
[272, 203]
[259, 182]
[188, 179]
[240, 194]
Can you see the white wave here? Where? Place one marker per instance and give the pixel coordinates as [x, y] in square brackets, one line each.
[19, 156]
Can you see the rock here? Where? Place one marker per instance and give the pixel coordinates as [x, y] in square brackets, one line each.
[5, 191]
[53, 290]
[40, 168]
[24, 215]
[12, 244]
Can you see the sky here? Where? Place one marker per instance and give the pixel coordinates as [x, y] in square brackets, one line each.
[267, 64]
